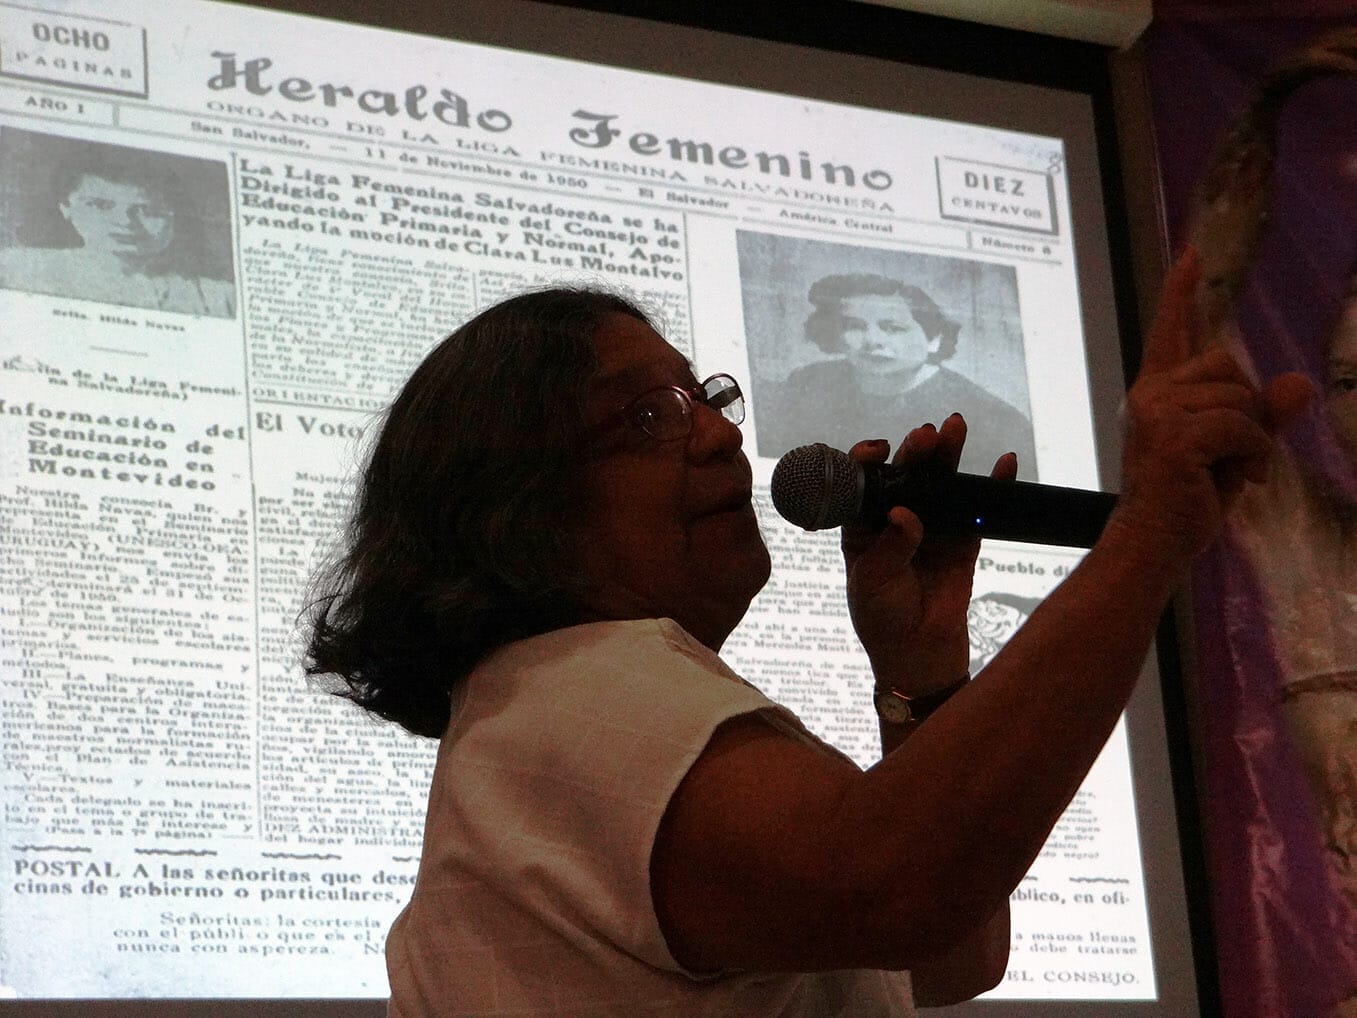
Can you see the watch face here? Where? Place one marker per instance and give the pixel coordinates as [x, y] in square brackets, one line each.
[892, 707]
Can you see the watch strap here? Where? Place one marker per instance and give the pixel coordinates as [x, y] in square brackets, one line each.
[896, 708]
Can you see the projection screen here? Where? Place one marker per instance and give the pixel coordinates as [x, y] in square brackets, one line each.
[187, 821]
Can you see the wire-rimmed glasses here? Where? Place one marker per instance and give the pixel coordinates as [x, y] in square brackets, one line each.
[665, 413]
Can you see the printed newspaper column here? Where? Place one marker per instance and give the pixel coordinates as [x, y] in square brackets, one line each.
[127, 584]
[1080, 921]
[826, 680]
[348, 289]
[345, 296]
[576, 239]
[343, 301]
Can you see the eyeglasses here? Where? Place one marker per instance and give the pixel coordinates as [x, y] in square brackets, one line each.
[666, 413]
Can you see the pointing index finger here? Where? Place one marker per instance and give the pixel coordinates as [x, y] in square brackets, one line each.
[1177, 328]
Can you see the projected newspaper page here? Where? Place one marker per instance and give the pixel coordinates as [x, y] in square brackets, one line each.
[222, 250]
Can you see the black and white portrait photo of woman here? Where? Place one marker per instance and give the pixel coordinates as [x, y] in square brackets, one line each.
[868, 347]
[115, 225]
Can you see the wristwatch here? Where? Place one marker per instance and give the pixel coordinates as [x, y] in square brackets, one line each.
[898, 709]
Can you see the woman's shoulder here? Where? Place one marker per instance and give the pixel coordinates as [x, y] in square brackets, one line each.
[630, 672]
[21, 261]
[974, 400]
[817, 374]
[61, 271]
[593, 648]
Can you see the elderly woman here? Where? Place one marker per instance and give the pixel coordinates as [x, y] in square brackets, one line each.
[889, 343]
[552, 540]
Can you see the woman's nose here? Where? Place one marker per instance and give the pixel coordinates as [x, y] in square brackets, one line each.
[713, 433]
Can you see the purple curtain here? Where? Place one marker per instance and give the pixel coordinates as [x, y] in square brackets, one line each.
[1281, 892]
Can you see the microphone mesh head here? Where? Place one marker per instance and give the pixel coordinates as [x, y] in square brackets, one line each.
[816, 487]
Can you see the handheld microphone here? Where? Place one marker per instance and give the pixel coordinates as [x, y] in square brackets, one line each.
[816, 488]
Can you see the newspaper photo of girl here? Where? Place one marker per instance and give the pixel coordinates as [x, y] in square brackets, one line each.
[115, 225]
